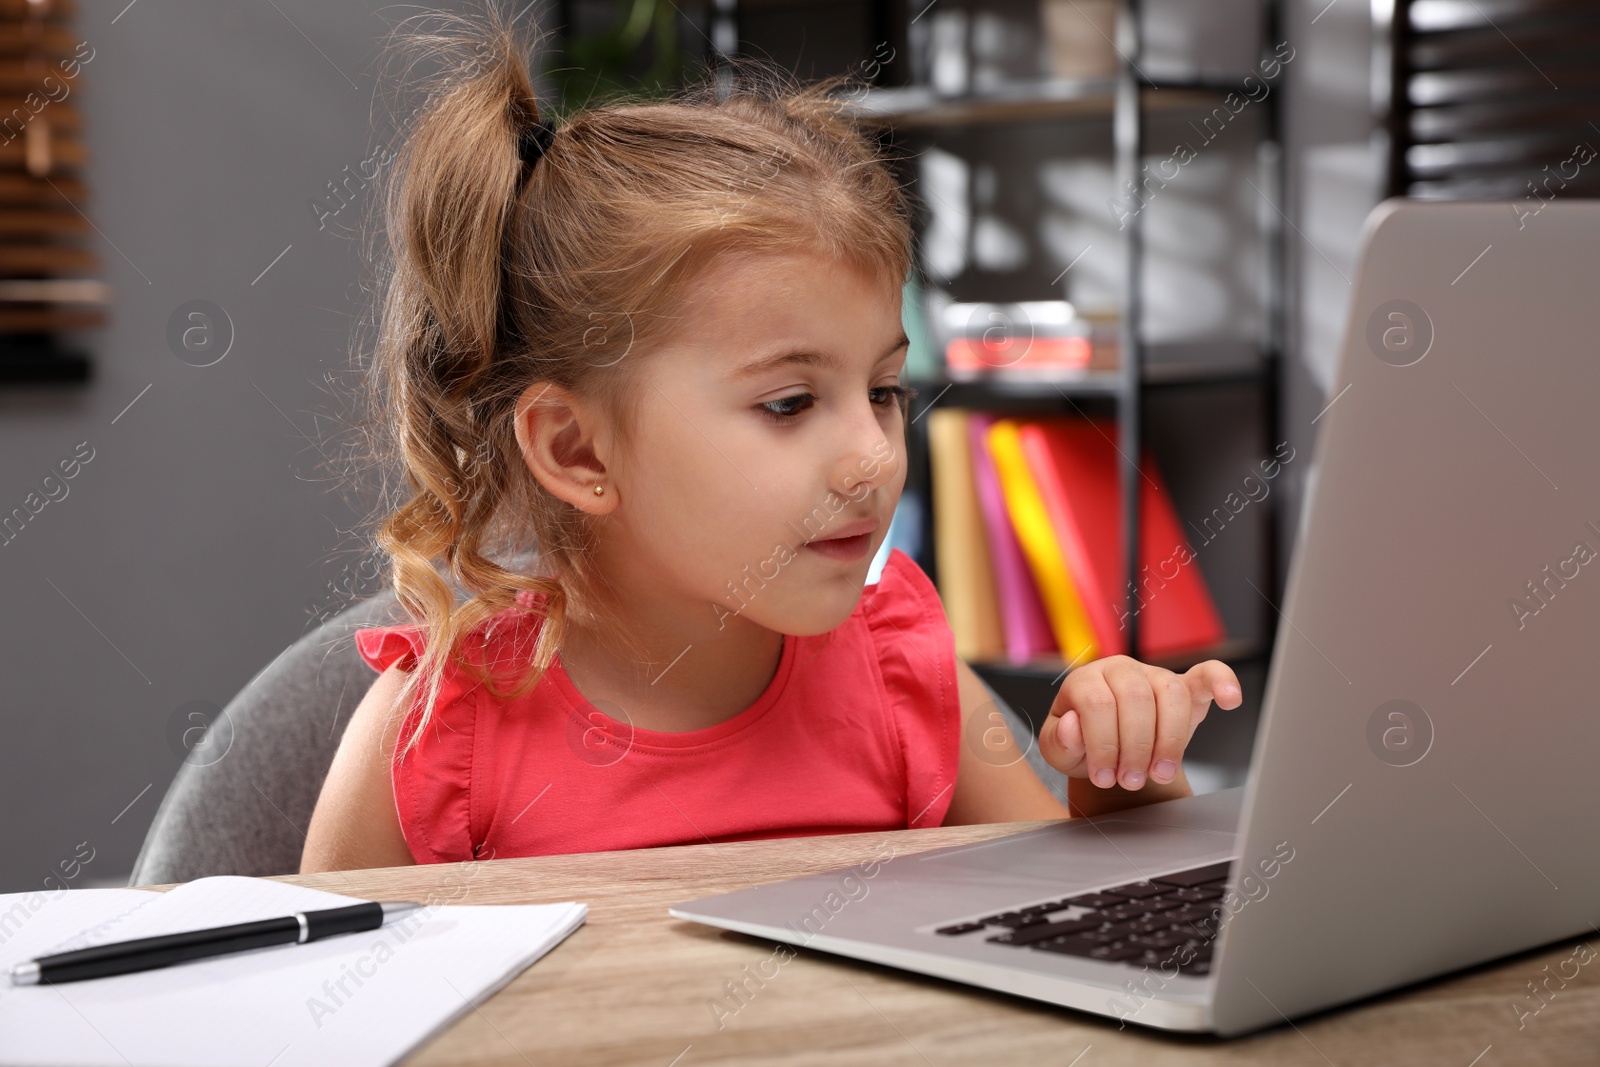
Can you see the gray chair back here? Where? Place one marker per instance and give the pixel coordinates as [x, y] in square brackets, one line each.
[241, 802]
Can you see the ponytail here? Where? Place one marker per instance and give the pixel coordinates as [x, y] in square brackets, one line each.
[448, 203]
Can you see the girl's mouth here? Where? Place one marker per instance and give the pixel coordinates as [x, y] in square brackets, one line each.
[842, 548]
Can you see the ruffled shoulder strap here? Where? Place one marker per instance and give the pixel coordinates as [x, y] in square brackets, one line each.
[432, 782]
[917, 659]
[384, 646]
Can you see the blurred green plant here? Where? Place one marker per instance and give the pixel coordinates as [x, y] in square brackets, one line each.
[641, 55]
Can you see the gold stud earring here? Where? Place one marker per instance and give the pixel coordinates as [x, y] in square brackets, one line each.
[599, 490]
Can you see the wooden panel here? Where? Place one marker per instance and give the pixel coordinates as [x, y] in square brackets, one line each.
[55, 261]
[54, 11]
[18, 188]
[63, 114]
[48, 319]
[56, 41]
[19, 80]
[54, 291]
[42, 226]
[65, 151]
[20, 224]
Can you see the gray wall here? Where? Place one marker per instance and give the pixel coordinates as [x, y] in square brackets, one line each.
[207, 527]
[208, 530]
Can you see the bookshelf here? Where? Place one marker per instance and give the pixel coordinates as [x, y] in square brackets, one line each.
[1145, 370]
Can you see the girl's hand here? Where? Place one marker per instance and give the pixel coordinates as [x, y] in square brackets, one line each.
[1117, 721]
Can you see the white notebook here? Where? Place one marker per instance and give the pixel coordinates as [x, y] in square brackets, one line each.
[351, 1000]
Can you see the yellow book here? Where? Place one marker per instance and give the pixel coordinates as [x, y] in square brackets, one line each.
[960, 541]
[1062, 602]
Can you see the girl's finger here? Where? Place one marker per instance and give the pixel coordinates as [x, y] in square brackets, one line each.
[1061, 740]
[1136, 724]
[1173, 726]
[1213, 680]
[1096, 706]
[1069, 733]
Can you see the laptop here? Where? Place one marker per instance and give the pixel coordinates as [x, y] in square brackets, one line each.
[1423, 787]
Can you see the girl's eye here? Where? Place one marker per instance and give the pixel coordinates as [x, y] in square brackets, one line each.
[784, 408]
[894, 394]
[788, 408]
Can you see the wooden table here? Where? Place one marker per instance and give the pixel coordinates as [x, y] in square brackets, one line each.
[635, 986]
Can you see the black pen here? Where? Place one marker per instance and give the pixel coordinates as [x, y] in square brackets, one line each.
[148, 953]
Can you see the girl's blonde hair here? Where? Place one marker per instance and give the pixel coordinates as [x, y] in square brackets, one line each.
[500, 274]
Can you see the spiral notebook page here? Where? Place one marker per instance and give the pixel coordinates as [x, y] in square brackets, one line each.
[359, 999]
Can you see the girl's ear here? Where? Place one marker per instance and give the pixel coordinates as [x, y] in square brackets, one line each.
[562, 440]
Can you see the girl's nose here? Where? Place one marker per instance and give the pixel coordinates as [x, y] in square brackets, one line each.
[868, 464]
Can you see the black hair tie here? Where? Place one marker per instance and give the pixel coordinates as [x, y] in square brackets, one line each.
[534, 141]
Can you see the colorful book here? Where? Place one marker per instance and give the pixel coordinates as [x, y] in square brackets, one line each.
[961, 543]
[1075, 463]
[1022, 616]
[1036, 534]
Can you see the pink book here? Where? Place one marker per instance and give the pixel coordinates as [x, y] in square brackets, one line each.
[1022, 616]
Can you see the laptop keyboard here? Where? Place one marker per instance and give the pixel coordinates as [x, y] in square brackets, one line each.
[1167, 921]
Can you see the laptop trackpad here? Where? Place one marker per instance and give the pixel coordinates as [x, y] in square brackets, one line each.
[1106, 850]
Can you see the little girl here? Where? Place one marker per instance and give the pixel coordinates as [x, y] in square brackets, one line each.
[661, 345]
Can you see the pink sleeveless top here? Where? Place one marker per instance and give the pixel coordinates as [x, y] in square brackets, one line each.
[858, 730]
